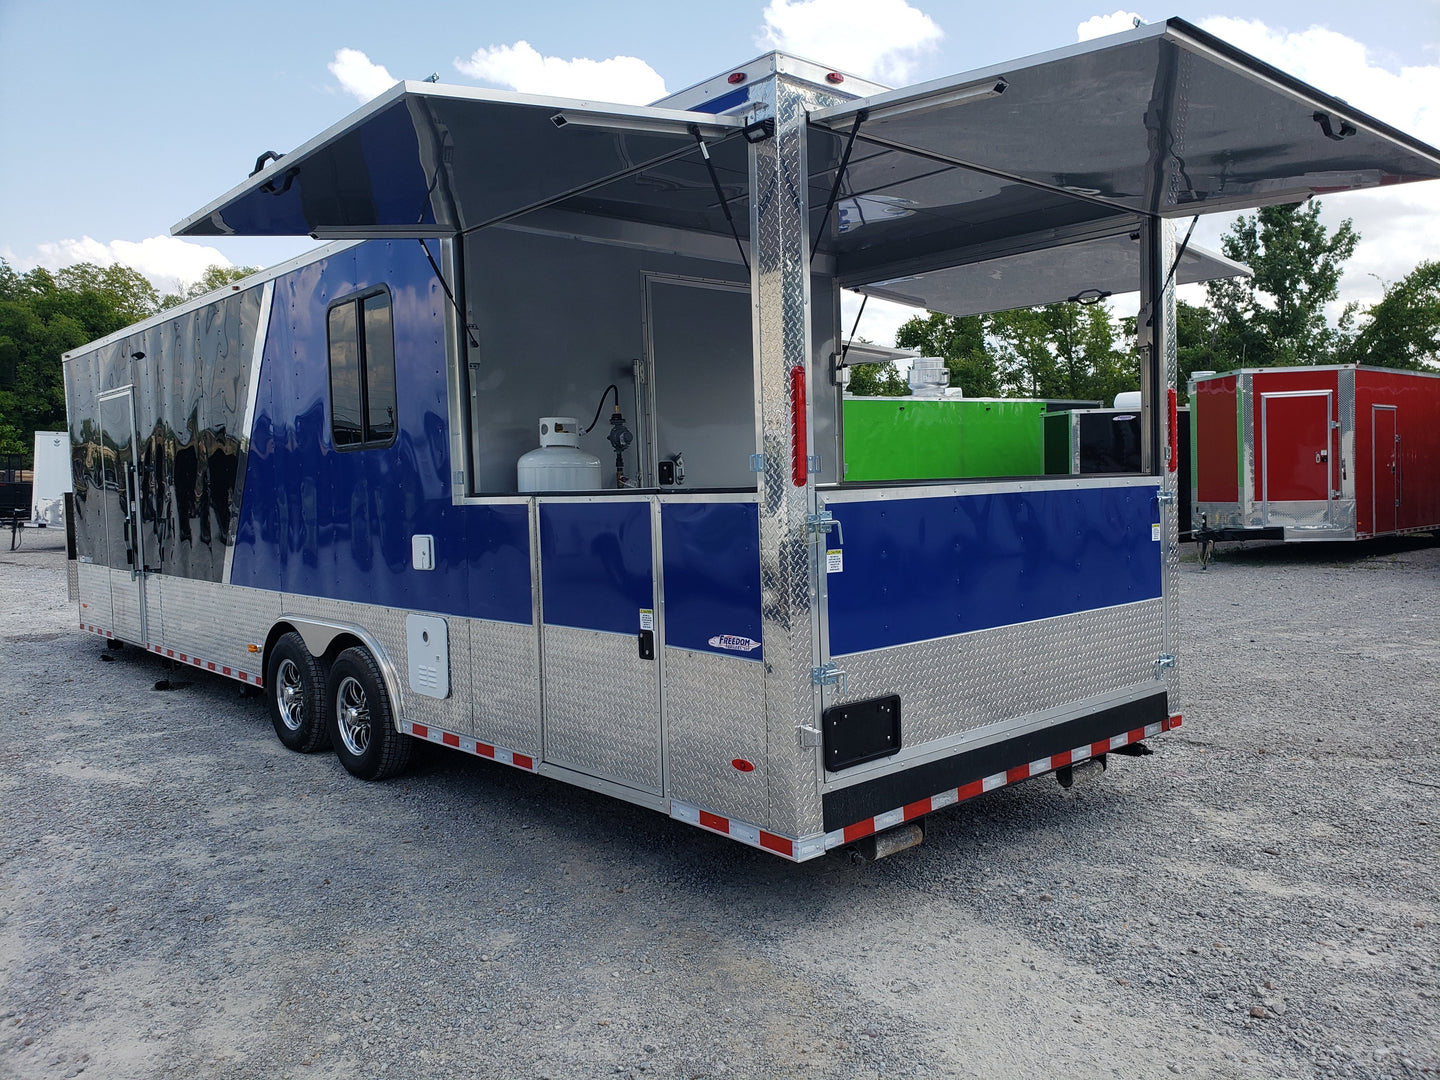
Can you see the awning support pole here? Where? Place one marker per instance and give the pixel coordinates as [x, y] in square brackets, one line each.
[720, 194]
[839, 179]
[469, 328]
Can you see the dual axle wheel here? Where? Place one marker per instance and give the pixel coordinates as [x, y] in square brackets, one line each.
[346, 707]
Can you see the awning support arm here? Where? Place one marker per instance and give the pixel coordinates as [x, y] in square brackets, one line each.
[1179, 253]
[469, 328]
[839, 179]
[720, 194]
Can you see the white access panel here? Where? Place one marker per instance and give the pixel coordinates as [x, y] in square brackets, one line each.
[427, 648]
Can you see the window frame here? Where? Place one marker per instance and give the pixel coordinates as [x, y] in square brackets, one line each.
[356, 300]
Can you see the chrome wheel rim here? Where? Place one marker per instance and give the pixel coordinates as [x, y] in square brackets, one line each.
[290, 695]
[352, 715]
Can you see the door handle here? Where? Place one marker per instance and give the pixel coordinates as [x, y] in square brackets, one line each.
[647, 644]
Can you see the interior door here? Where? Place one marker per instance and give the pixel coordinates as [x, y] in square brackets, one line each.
[598, 638]
[1297, 462]
[120, 488]
[702, 383]
[1385, 466]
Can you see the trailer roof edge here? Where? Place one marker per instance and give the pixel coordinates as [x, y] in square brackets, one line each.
[270, 273]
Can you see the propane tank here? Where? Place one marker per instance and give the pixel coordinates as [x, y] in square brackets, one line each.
[558, 464]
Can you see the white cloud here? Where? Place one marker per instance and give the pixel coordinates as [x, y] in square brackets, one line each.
[1398, 226]
[625, 80]
[359, 75]
[875, 39]
[879, 323]
[1102, 25]
[167, 261]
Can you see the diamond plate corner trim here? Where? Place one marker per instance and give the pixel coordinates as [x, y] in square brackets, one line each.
[1170, 480]
[715, 713]
[72, 580]
[780, 273]
[951, 686]
[602, 707]
[1250, 510]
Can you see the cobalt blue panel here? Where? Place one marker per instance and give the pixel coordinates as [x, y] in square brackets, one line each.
[369, 175]
[324, 523]
[595, 564]
[712, 577]
[917, 569]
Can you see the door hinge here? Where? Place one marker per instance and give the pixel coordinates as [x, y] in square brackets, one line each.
[1164, 498]
[1163, 661]
[757, 463]
[817, 525]
[1334, 425]
[809, 735]
[828, 674]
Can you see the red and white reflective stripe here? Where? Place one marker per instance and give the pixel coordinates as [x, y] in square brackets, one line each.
[96, 630]
[747, 833]
[207, 665]
[467, 745]
[902, 814]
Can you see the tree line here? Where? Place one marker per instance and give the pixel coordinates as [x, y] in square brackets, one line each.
[1277, 316]
[44, 314]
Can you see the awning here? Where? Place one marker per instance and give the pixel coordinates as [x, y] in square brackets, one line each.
[1164, 119]
[1087, 270]
[429, 160]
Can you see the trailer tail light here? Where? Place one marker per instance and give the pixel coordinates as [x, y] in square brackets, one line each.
[1174, 462]
[834, 78]
[799, 473]
[736, 78]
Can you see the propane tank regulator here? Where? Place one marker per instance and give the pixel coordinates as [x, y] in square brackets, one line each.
[619, 437]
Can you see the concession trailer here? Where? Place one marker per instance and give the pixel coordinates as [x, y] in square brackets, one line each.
[1315, 453]
[540, 457]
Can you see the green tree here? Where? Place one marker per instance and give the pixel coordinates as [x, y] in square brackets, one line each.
[1404, 327]
[214, 277]
[1277, 316]
[43, 315]
[877, 380]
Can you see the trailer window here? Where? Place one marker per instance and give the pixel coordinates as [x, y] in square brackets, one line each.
[362, 371]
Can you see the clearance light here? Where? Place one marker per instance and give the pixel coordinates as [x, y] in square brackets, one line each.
[736, 78]
[799, 472]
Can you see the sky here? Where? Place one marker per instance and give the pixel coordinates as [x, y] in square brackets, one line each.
[118, 120]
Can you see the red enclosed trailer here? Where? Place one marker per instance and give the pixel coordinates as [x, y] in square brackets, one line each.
[1315, 453]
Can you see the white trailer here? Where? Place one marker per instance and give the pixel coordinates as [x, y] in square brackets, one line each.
[308, 483]
[50, 478]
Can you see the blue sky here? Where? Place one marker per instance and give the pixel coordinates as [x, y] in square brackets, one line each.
[117, 120]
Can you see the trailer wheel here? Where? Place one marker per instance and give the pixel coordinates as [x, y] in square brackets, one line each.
[296, 684]
[362, 720]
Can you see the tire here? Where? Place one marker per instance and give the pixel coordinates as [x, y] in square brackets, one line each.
[295, 692]
[361, 719]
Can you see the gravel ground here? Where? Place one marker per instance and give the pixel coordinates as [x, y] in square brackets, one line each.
[182, 897]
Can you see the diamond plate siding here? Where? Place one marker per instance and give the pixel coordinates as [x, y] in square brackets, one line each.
[72, 580]
[602, 707]
[94, 585]
[955, 685]
[212, 621]
[715, 713]
[504, 673]
[387, 626]
[780, 253]
[1170, 479]
[125, 607]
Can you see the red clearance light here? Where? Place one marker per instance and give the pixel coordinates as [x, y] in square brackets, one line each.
[799, 471]
[743, 765]
[835, 77]
[1174, 462]
[736, 77]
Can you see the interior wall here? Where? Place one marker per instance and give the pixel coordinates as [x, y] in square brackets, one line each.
[560, 318]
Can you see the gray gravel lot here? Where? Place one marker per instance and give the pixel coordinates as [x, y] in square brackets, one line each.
[182, 897]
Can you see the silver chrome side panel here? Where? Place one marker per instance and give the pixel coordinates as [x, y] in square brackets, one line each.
[604, 741]
[715, 714]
